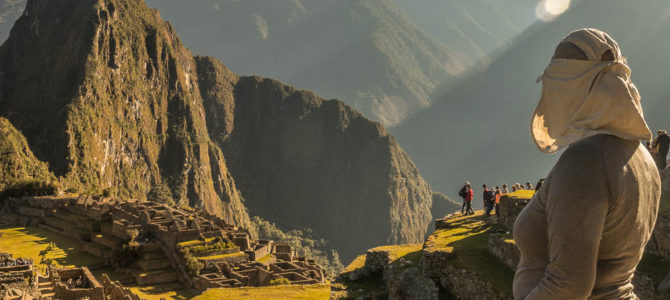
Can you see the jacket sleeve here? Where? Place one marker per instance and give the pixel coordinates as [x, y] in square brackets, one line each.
[576, 205]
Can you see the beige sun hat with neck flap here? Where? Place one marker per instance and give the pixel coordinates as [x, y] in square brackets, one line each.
[582, 98]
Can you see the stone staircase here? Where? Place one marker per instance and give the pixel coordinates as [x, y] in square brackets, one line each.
[154, 269]
[45, 287]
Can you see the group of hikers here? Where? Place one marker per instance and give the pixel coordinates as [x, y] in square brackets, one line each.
[9, 262]
[490, 196]
[659, 149]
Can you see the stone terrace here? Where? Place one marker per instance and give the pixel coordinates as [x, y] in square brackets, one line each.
[167, 242]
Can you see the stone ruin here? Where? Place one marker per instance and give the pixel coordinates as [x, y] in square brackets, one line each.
[15, 278]
[157, 244]
[72, 284]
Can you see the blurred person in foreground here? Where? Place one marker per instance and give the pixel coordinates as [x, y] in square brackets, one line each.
[660, 148]
[584, 232]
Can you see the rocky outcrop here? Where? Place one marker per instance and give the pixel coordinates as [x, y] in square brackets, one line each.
[17, 162]
[107, 95]
[510, 207]
[302, 161]
[504, 248]
[410, 285]
[660, 240]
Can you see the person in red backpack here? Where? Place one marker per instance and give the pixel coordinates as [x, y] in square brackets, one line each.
[469, 195]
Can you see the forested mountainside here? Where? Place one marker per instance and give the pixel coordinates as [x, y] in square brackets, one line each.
[480, 130]
[303, 161]
[17, 162]
[107, 95]
[365, 52]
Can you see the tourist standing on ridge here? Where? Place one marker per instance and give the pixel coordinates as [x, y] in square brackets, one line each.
[504, 189]
[469, 196]
[589, 105]
[463, 193]
[488, 198]
[660, 149]
[498, 195]
[529, 185]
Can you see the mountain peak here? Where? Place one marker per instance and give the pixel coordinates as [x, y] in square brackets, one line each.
[106, 93]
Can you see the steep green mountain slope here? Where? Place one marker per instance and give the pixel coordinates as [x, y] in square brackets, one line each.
[366, 52]
[17, 162]
[107, 95]
[480, 131]
[302, 161]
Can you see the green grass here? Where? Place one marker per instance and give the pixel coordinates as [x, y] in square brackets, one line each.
[357, 263]
[181, 294]
[195, 242]
[398, 251]
[522, 194]
[236, 254]
[286, 292]
[265, 259]
[30, 241]
[469, 241]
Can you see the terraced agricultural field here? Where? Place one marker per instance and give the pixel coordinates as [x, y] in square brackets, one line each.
[281, 292]
[30, 241]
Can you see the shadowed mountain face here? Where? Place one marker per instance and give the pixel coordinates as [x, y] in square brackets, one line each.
[302, 161]
[365, 52]
[107, 95]
[480, 130]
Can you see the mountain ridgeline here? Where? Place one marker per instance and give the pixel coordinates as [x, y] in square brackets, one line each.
[107, 95]
[365, 52]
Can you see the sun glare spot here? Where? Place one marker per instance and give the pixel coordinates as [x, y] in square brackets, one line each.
[549, 10]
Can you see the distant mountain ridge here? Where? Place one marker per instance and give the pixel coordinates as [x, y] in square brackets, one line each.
[478, 29]
[366, 52]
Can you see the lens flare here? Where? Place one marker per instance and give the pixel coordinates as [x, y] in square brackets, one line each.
[549, 10]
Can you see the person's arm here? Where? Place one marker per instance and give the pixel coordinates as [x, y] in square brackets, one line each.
[576, 205]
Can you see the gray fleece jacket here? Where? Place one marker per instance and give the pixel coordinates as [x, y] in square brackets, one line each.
[583, 233]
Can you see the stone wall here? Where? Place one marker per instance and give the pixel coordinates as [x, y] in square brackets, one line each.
[510, 207]
[114, 290]
[660, 240]
[502, 247]
[61, 291]
[464, 284]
